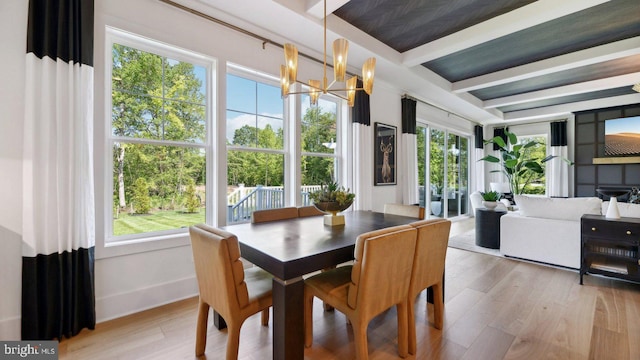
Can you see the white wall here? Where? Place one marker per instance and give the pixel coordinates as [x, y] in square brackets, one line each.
[13, 30]
[132, 282]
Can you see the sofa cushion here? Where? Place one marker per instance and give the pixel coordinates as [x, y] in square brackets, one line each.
[625, 209]
[558, 208]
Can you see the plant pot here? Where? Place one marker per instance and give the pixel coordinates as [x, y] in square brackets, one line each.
[490, 205]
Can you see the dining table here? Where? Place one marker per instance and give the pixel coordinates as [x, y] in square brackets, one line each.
[292, 248]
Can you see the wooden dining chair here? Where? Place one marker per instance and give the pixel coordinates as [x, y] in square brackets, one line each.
[260, 216]
[305, 211]
[428, 270]
[378, 280]
[225, 286]
[413, 211]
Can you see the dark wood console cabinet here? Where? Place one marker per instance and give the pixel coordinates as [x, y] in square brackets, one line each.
[610, 247]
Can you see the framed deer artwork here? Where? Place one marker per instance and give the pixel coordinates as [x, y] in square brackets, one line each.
[385, 154]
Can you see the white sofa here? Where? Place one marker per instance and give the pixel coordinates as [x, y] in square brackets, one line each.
[546, 230]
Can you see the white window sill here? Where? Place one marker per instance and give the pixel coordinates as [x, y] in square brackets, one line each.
[151, 243]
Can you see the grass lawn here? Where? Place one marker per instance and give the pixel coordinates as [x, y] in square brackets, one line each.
[161, 220]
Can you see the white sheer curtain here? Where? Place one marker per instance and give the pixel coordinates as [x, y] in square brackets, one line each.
[558, 172]
[362, 150]
[410, 163]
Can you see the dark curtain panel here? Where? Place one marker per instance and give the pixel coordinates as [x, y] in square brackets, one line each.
[479, 137]
[361, 111]
[499, 132]
[559, 133]
[58, 297]
[408, 116]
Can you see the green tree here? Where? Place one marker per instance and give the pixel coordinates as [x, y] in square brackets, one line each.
[318, 130]
[155, 98]
[192, 202]
[436, 159]
[141, 199]
[254, 168]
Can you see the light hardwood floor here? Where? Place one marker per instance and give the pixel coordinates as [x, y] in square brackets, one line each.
[495, 308]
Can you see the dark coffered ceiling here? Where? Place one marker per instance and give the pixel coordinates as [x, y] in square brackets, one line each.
[404, 25]
[487, 60]
[557, 46]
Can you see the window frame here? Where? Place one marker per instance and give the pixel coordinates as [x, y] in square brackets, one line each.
[109, 244]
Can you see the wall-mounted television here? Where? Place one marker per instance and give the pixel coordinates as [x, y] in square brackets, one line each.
[622, 136]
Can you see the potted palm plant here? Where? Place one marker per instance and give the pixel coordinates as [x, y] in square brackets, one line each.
[518, 166]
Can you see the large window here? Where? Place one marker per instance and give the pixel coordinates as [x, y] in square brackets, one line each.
[255, 143]
[159, 108]
[535, 183]
[319, 142]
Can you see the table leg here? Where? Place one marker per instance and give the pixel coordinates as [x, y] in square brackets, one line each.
[288, 319]
[218, 321]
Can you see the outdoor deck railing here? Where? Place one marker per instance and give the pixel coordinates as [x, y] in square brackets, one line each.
[245, 200]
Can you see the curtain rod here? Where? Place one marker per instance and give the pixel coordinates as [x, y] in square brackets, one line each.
[439, 108]
[241, 30]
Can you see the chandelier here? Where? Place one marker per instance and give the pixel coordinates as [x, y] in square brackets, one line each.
[289, 72]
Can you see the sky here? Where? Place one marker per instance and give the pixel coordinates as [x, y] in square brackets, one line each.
[629, 124]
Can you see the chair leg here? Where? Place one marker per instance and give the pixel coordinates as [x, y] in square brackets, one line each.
[265, 317]
[411, 327]
[326, 306]
[403, 325]
[233, 340]
[438, 306]
[308, 320]
[360, 339]
[201, 328]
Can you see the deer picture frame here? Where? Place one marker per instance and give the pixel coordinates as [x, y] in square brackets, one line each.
[385, 151]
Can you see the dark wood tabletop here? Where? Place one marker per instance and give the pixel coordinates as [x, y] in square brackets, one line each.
[291, 248]
[295, 247]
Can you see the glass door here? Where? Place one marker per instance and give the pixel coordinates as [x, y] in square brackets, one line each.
[443, 172]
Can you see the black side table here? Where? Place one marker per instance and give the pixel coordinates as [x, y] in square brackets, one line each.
[488, 228]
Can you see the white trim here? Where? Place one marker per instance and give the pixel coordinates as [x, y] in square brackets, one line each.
[108, 245]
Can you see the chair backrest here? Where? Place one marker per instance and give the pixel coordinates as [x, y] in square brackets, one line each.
[413, 211]
[430, 254]
[220, 274]
[259, 216]
[476, 201]
[382, 269]
[310, 210]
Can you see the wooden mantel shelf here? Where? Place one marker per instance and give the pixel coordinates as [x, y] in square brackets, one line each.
[617, 160]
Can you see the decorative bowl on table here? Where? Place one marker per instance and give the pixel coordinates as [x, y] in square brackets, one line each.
[332, 199]
[332, 207]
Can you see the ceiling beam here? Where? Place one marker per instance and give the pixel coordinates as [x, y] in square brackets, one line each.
[522, 18]
[573, 89]
[611, 51]
[568, 108]
[316, 7]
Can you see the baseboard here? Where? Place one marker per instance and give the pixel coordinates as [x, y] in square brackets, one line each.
[115, 306]
[10, 329]
[542, 263]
